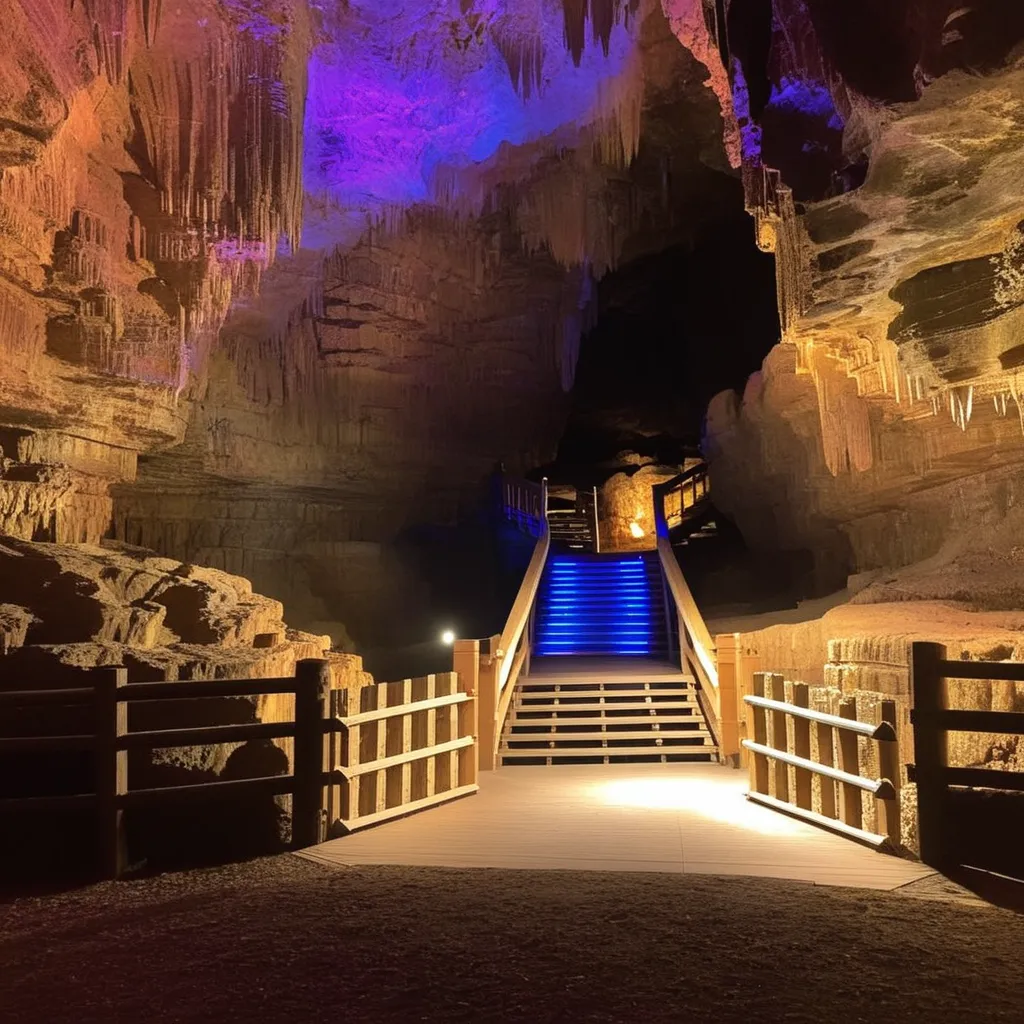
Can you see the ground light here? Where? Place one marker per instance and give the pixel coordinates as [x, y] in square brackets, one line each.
[448, 637]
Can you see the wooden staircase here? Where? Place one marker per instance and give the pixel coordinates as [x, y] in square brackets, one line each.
[559, 722]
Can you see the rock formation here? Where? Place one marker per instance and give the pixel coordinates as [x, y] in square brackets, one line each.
[884, 434]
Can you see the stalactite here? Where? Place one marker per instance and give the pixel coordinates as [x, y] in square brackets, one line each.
[618, 115]
[575, 15]
[224, 134]
[843, 414]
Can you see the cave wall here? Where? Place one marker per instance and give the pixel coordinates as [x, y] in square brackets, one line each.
[150, 166]
[425, 356]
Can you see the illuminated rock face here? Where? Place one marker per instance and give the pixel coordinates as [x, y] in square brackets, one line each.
[886, 425]
[281, 279]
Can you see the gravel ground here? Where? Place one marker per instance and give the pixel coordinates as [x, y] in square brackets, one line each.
[284, 939]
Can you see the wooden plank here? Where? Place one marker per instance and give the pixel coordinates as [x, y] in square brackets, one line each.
[420, 721]
[199, 688]
[159, 739]
[427, 754]
[869, 838]
[45, 744]
[69, 695]
[984, 778]
[233, 789]
[849, 762]
[826, 756]
[351, 788]
[399, 694]
[889, 768]
[928, 687]
[1003, 723]
[312, 684]
[779, 736]
[466, 663]
[487, 703]
[758, 727]
[364, 717]
[380, 729]
[997, 671]
[802, 747]
[110, 725]
[410, 808]
[446, 730]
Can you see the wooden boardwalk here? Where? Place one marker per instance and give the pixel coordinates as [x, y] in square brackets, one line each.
[691, 818]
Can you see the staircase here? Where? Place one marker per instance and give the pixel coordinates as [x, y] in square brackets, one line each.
[555, 722]
[602, 605]
[601, 687]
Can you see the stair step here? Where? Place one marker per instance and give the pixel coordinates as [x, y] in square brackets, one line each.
[631, 705]
[659, 720]
[635, 693]
[704, 753]
[600, 735]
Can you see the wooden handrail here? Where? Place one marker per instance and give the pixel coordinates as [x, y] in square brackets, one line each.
[883, 789]
[883, 731]
[698, 638]
[515, 626]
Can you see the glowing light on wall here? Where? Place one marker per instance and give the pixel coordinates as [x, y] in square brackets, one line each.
[403, 88]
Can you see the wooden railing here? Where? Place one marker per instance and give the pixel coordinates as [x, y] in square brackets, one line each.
[932, 721]
[400, 747]
[784, 763]
[497, 662]
[696, 648]
[525, 503]
[682, 492]
[394, 748]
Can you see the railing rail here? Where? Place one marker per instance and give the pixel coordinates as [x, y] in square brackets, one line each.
[781, 733]
[932, 721]
[525, 503]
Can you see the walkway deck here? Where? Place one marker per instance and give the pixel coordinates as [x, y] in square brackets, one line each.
[676, 818]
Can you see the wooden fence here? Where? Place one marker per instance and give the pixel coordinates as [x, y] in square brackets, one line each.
[932, 721]
[783, 770]
[400, 747]
[391, 749]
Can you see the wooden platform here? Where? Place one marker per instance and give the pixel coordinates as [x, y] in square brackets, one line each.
[691, 818]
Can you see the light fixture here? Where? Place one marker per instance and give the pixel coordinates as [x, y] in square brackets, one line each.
[448, 637]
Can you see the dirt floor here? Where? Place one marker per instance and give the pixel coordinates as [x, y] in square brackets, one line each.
[283, 939]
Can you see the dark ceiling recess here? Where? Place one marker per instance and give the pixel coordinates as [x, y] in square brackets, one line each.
[673, 329]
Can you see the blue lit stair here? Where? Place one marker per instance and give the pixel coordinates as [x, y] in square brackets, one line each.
[601, 605]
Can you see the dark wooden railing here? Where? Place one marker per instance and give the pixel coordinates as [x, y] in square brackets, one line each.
[681, 498]
[394, 748]
[933, 720]
[525, 503]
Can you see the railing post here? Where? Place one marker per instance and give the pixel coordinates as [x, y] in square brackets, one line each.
[802, 746]
[597, 526]
[780, 735]
[466, 664]
[758, 719]
[849, 761]
[312, 684]
[111, 769]
[747, 665]
[928, 690]
[889, 768]
[487, 704]
[728, 697]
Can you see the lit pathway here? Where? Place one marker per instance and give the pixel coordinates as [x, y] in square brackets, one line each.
[690, 818]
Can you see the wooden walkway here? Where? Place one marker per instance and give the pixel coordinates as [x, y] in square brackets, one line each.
[691, 818]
